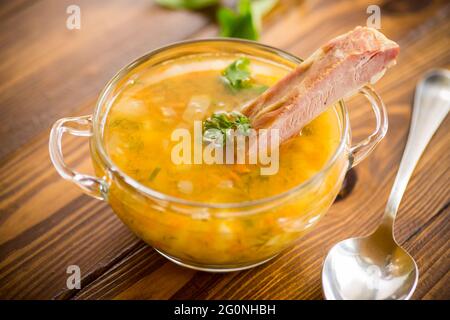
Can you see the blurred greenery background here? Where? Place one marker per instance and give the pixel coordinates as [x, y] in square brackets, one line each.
[237, 19]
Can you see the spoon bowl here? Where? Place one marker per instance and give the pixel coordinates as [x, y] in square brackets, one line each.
[376, 267]
[369, 268]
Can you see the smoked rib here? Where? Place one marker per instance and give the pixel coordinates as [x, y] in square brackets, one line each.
[336, 70]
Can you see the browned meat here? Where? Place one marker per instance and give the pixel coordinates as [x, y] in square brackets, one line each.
[335, 71]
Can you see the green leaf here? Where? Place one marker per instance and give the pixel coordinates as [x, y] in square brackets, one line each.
[241, 122]
[187, 4]
[217, 128]
[237, 75]
[238, 24]
[246, 22]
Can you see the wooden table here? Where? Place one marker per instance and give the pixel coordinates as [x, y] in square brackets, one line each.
[47, 224]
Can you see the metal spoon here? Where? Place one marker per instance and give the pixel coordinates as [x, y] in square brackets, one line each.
[376, 267]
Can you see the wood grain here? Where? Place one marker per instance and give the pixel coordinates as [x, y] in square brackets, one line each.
[62, 69]
[46, 224]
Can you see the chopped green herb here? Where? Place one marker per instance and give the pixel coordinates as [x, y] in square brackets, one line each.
[135, 144]
[187, 4]
[125, 124]
[217, 128]
[237, 75]
[154, 173]
[306, 131]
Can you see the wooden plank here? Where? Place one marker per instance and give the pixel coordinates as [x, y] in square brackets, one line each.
[46, 224]
[61, 69]
[39, 225]
[10, 8]
[264, 282]
[430, 247]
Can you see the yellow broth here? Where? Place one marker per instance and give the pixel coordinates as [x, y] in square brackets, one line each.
[155, 101]
[145, 113]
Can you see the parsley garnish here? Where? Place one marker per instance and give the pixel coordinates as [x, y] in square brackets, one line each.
[154, 173]
[237, 74]
[220, 125]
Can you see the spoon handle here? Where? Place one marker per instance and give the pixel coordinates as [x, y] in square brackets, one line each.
[431, 105]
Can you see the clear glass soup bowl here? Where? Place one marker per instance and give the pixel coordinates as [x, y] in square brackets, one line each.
[216, 237]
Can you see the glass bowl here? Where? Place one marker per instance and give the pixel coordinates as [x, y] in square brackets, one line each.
[217, 237]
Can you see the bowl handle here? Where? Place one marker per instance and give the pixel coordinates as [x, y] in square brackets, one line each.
[362, 149]
[80, 127]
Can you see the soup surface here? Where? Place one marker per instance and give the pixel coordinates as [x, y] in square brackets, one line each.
[160, 99]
